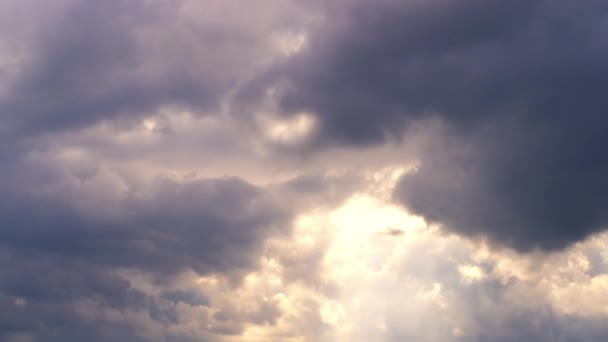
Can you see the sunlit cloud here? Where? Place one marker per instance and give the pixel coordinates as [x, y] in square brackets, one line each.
[306, 171]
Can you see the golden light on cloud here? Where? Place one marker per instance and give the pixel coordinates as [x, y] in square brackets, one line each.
[306, 171]
[359, 225]
[376, 261]
[471, 273]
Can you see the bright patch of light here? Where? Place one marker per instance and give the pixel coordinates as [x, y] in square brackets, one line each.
[290, 43]
[362, 227]
[289, 131]
[471, 273]
[433, 295]
[149, 124]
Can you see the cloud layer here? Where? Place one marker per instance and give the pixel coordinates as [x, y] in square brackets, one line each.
[517, 86]
[178, 170]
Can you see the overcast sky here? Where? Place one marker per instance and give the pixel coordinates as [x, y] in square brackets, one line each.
[316, 171]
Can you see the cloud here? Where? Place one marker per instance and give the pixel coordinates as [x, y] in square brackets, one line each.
[183, 170]
[62, 259]
[516, 85]
[425, 285]
[207, 226]
[123, 60]
[158, 261]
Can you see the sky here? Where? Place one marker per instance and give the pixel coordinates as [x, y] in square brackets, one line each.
[314, 171]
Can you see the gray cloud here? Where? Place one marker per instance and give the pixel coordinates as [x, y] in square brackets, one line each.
[121, 60]
[56, 257]
[518, 86]
[41, 295]
[206, 226]
[514, 87]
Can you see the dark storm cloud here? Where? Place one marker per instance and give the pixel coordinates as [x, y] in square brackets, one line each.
[206, 226]
[66, 65]
[518, 86]
[40, 295]
[81, 69]
[54, 256]
[93, 61]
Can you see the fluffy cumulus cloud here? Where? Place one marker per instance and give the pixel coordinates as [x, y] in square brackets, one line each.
[424, 170]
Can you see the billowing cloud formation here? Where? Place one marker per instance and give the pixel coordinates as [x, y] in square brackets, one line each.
[517, 86]
[182, 170]
[207, 226]
[419, 285]
[89, 61]
[62, 250]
